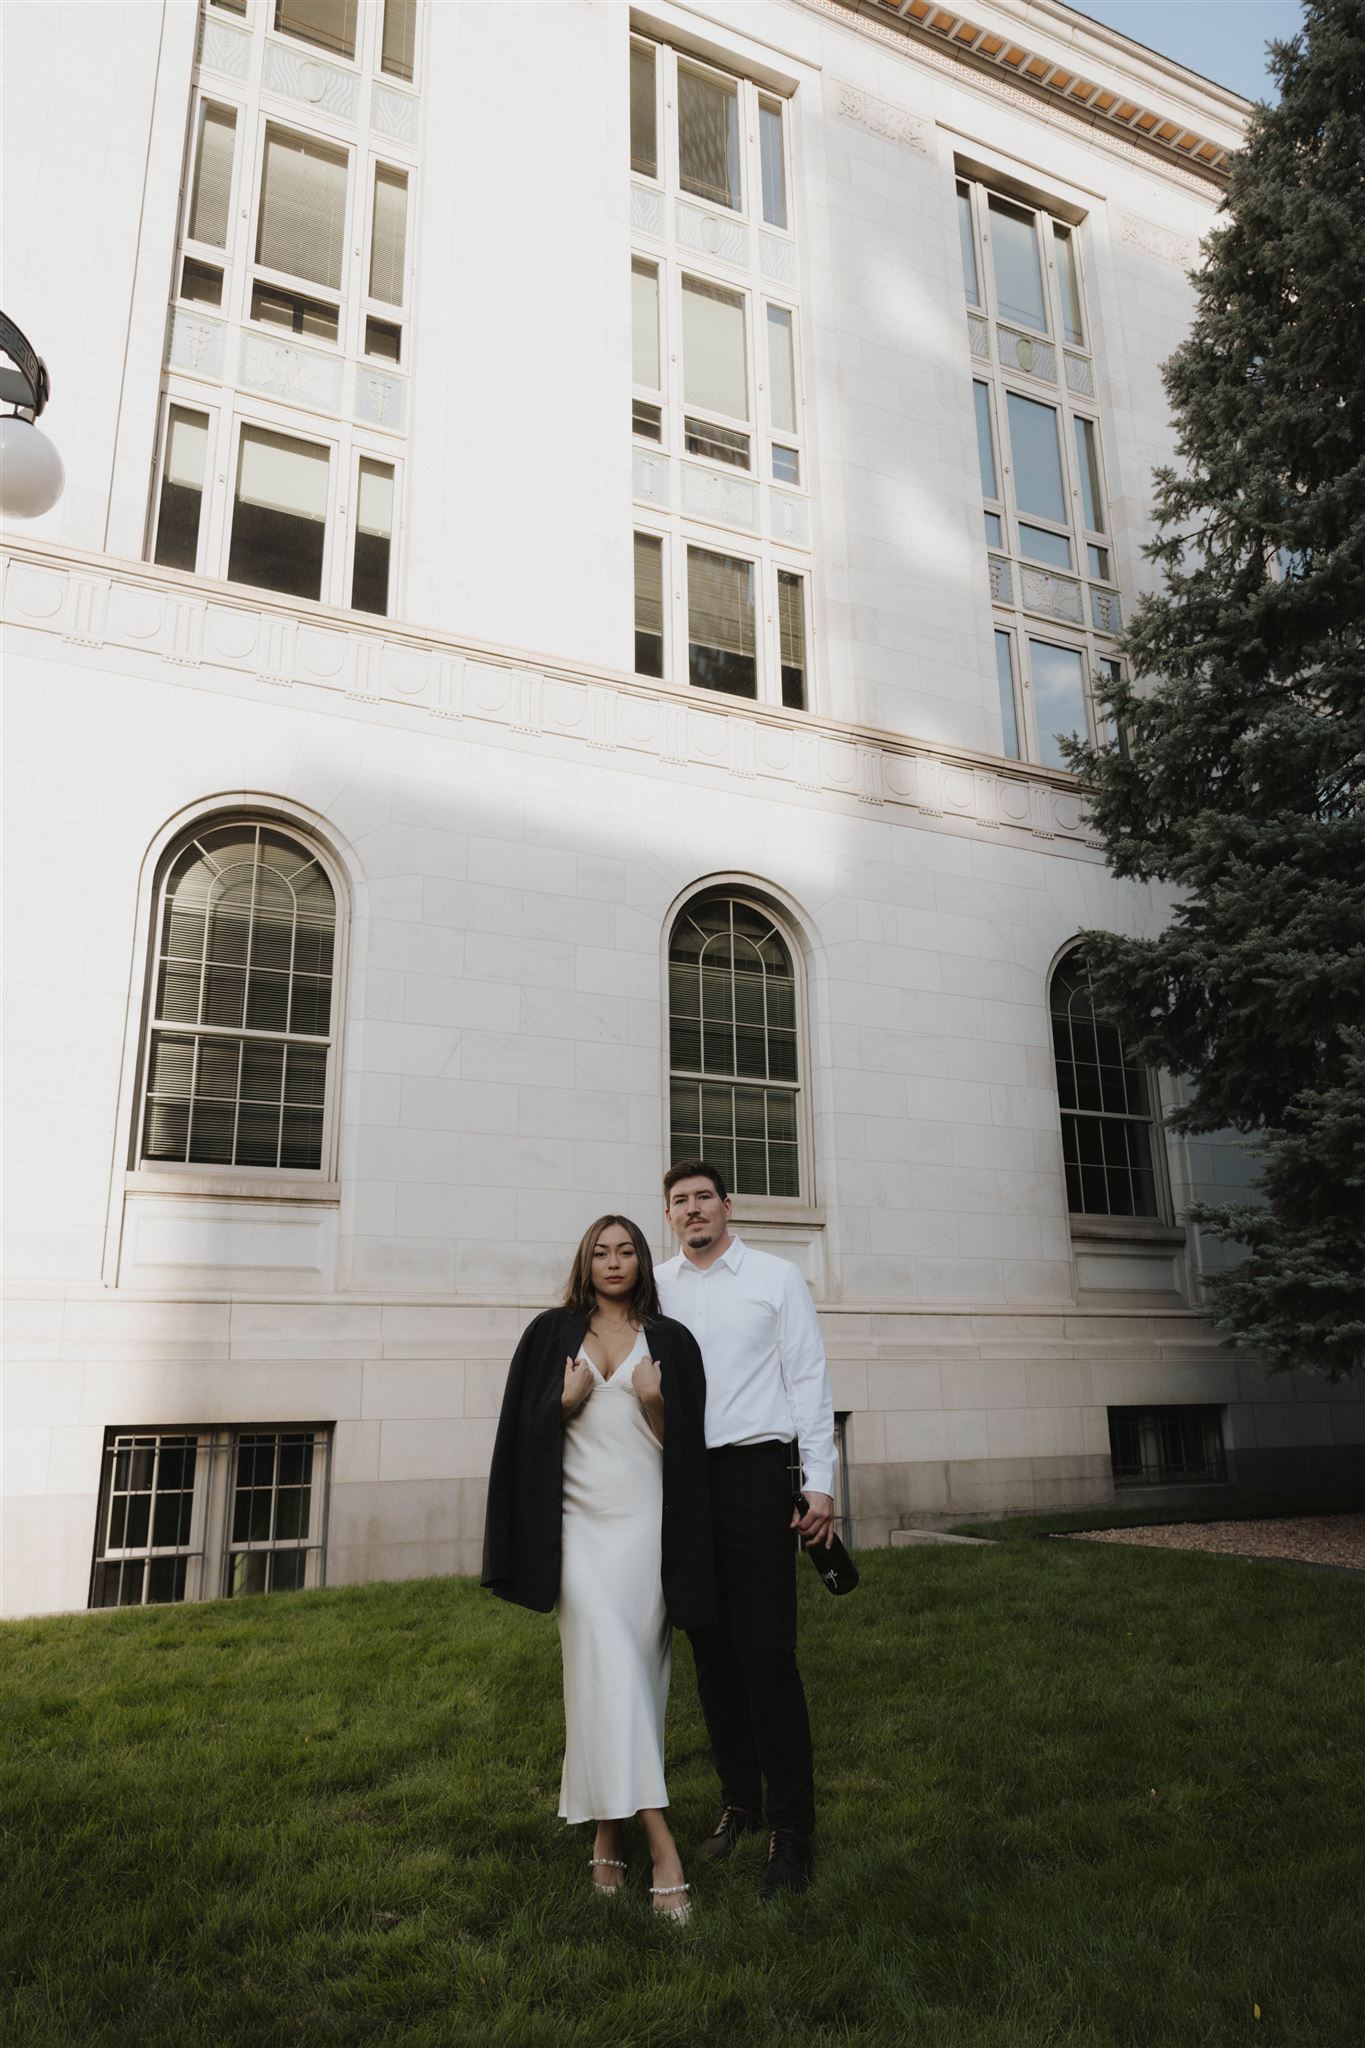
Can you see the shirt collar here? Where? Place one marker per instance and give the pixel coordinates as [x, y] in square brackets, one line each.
[731, 1257]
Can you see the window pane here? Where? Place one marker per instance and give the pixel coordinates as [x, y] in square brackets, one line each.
[644, 309]
[964, 224]
[644, 145]
[1037, 458]
[1097, 562]
[328, 23]
[400, 38]
[302, 221]
[279, 517]
[774, 169]
[791, 620]
[720, 623]
[781, 370]
[1058, 696]
[786, 465]
[649, 605]
[383, 340]
[646, 420]
[717, 444]
[714, 371]
[373, 539]
[1018, 273]
[985, 441]
[1039, 545]
[182, 489]
[212, 176]
[1088, 462]
[995, 532]
[388, 241]
[1009, 720]
[1070, 283]
[708, 137]
[202, 283]
[278, 307]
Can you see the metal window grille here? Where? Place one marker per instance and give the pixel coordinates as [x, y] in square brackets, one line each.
[1166, 1446]
[733, 1046]
[1106, 1105]
[241, 1009]
[191, 1514]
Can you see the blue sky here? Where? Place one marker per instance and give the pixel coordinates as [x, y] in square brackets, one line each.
[1224, 39]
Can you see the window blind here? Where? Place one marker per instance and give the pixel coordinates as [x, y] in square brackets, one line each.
[399, 43]
[644, 303]
[212, 187]
[714, 373]
[330, 24]
[720, 601]
[649, 584]
[708, 138]
[282, 475]
[302, 222]
[388, 241]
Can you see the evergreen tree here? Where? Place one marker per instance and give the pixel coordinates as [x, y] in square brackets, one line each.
[1239, 776]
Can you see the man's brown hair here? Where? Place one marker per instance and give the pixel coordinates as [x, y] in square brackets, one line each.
[580, 1293]
[693, 1169]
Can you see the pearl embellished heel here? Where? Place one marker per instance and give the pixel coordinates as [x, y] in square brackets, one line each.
[606, 1863]
[677, 1914]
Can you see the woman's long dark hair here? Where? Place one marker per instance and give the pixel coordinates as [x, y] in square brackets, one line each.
[580, 1293]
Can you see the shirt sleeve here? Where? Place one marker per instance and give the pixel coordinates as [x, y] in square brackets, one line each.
[801, 1351]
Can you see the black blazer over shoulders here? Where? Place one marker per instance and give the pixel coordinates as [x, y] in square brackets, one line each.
[525, 1483]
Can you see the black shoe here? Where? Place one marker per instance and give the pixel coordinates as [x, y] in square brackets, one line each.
[734, 1822]
[789, 1863]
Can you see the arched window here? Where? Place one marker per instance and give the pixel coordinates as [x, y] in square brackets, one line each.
[240, 1025]
[733, 1058]
[1106, 1102]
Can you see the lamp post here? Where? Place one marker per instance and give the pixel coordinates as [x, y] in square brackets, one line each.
[31, 473]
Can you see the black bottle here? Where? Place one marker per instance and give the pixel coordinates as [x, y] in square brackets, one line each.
[833, 1565]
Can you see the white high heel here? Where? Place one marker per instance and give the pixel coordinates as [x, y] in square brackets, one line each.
[679, 1915]
[606, 1863]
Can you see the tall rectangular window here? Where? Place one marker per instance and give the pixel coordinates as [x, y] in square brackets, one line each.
[211, 191]
[280, 513]
[327, 24]
[1009, 715]
[1038, 485]
[985, 440]
[273, 1528]
[1069, 283]
[373, 538]
[182, 489]
[965, 230]
[1018, 272]
[781, 370]
[715, 371]
[649, 605]
[644, 307]
[1059, 697]
[388, 240]
[301, 229]
[791, 627]
[721, 645]
[146, 1515]
[708, 137]
[772, 162]
[1088, 463]
[398, 43]
[644, 139]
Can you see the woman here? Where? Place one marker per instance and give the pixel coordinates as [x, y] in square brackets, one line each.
[597, 1506]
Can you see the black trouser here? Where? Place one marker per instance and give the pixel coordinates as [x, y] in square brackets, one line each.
[750, 1688]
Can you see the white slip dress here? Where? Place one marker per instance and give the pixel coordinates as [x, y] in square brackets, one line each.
[614, 1631]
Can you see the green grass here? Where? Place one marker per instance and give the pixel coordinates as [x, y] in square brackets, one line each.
[1070, 1796]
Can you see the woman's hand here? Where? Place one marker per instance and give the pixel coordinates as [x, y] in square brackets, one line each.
[648, 1384]
[577, 1385]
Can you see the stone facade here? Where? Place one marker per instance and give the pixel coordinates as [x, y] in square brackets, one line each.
[514, 817]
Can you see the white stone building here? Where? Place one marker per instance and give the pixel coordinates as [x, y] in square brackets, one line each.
[385, 711]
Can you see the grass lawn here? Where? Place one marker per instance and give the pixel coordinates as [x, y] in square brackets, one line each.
[1070, 1795]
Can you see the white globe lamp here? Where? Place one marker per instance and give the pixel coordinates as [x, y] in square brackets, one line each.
[31, 473]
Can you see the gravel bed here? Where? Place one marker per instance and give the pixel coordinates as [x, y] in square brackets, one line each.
[1304, 1539]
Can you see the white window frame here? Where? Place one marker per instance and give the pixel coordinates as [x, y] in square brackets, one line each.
[211, 414]
[1007, 564]
[803, 1207]
[213, 1176]
[210, 1549]
[766, 563]
[350, 519]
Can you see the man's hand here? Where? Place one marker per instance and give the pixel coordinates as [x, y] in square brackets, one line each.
[577, 1385]
[817, 1524]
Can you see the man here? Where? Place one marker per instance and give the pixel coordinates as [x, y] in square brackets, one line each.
[766, 1384]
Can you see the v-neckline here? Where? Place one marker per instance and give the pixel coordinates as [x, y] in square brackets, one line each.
[607, 1378]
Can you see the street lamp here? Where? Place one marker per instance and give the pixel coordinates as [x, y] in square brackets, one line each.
[31, 473]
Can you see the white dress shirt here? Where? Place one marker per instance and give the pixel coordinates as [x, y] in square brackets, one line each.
[754, 1320]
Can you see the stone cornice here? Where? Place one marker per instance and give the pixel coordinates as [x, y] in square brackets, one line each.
[1135, 122]
[182, 626]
